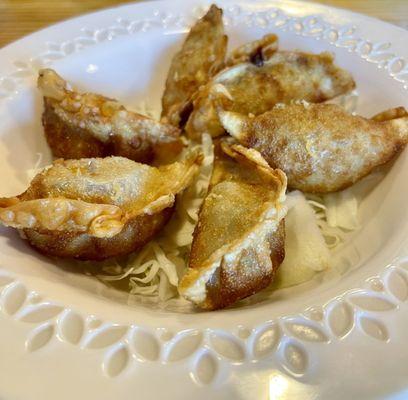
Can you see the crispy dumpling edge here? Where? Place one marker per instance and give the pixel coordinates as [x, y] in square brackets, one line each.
[177, 113]
[193, 285]
[100, 220]
[393, 120]
[71, 132]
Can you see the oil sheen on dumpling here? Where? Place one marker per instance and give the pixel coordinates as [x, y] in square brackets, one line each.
[321, 147]
[250, 89]
[201, 57]
[238, 242]
[83, 125]
[92, 209]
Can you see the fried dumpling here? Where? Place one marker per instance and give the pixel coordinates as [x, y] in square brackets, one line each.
[255, 52]
[92, 209]
[89, 125]
[201, 57]
[250, 89]
[238, 242]
[321, 147]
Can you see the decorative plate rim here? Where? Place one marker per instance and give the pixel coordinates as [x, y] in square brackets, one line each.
[207, 351]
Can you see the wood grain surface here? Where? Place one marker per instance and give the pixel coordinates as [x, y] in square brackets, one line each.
[21, 17]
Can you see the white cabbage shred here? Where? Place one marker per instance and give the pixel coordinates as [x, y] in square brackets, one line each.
[306, 251]
[32, 172]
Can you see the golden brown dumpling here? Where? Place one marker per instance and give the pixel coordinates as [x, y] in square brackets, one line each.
[255, 52]
[321, 147]
[201, 57]
[92, 209]
[238, 242]
[249, 89]
[89, 125]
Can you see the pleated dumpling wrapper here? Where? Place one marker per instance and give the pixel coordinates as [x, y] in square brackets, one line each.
[321, 147]
[238, 242]
[201, 57]
[85, 125]
[249, 88]
[93, 209]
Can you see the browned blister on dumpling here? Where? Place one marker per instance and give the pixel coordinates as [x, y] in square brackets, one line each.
[256, 52]
[82, 125]
[92, 209]
[250, 89]
[388, 115]
[321, 147]
[201, 57]
[238, 242]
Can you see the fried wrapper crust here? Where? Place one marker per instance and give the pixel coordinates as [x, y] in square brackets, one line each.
[92, 209]
[136, 232]
[201, 57]
[388, 115]
[249, 89]
[89, 125]
[238, 242]
[321, 147]
[255, 52]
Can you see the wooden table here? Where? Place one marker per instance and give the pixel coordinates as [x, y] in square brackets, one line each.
[20, 17]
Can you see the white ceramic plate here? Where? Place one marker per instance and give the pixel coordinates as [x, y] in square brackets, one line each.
[64, 336]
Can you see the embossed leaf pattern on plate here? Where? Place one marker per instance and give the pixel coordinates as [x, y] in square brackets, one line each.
[35, 313]
[374, 328]
[226, 345]
[105, 336]
[303, 330]
[371, 302]
[13, 297]
[40, 336]
[205, 368]
[71, 326]
[146, 345]
[340, 318]
[295, 357]
[266, 340]
[397, 284]
[116, 360]
[93, 323]
[184, 345]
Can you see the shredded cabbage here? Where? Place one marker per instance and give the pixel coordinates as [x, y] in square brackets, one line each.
[348, 101]
[342, 210]
[32, 172]
[306, 251]
[332, 234]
